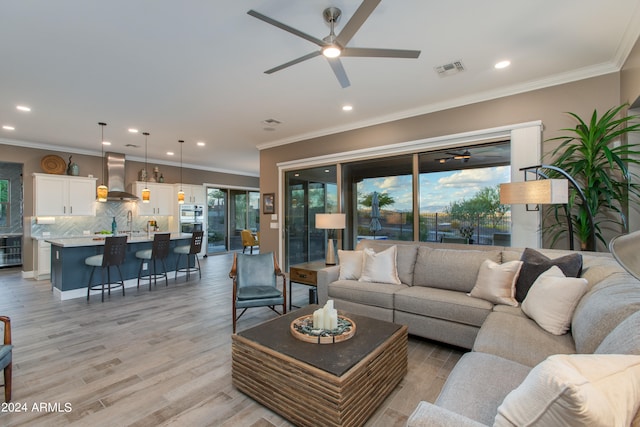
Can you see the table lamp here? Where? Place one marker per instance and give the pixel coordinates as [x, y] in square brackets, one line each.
[331, 222]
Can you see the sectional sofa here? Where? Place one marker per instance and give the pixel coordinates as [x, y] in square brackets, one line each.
[535, 346]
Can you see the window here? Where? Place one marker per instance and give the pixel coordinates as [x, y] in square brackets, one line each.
[390, 180]
[5, 199]
[459, 197]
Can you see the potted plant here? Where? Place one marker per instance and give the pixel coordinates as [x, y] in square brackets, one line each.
[466, 231]
[601, 168]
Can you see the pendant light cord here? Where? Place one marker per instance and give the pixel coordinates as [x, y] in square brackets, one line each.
[181, 142]
[146, 172]
[102, 125]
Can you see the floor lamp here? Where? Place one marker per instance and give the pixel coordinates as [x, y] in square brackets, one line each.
[546, 191]
[331, 222]
[626, 250]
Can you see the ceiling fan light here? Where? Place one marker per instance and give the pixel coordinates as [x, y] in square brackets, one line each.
[331, 51]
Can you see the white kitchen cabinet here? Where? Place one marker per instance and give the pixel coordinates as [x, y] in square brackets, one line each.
[42, 260]
[193, 194]
[161, 201]
[58, 195]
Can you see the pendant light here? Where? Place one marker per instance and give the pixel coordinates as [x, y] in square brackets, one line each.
[181, 193]
[146, 193]
[102, 190]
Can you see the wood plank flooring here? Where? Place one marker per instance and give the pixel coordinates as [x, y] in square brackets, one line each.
[159, 358]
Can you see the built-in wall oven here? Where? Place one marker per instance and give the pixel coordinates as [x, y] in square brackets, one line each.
[191, 218]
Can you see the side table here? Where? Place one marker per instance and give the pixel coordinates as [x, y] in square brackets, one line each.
[306, 274]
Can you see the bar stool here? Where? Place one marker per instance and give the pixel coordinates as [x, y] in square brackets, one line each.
[115, 249]
[188, 250]
[159, 251]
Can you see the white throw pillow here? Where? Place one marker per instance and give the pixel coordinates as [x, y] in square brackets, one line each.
[552, 300]
[575, 390]
[350, 264]
[380, 267]
[496, 283]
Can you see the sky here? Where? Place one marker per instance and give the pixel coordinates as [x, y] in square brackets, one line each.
[437, 189]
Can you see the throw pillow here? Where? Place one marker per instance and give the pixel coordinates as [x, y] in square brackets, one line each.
[536, 263]
[552, 300]
[496, 283]
[380, 267]
[350, 264]
[575, 390]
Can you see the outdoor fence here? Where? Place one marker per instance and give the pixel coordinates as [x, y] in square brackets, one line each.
[483, 229]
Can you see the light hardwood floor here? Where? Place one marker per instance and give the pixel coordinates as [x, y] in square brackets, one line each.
[157, 358]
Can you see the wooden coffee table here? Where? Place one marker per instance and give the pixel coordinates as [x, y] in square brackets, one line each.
[338, 384]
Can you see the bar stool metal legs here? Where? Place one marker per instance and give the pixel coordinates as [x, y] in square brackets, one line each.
[189, 250]
[159, 251]
[115, 249]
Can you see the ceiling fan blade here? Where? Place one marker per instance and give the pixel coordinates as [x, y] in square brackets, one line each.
[356, 21]
[287, 28]
[293, 62]
[338, 70]
[379, 53]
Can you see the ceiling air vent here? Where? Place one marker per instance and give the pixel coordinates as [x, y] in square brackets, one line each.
[445, 70]
[271, 124]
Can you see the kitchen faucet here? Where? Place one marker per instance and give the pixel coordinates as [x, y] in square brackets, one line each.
[130, 222]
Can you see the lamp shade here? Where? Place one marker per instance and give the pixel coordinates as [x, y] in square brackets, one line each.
[330, 221]
[625, 249]
[536, 192]
[102, 193]
[146, 195]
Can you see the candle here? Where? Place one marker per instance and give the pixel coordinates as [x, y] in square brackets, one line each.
[318, 319]
[333, 319]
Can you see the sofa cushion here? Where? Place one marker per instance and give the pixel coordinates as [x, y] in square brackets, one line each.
[443, 304]
[350, 264]
[520, 339]
[620, 341]
[496, 282]
[602, 309]
[406, 257]
[576, 390]
[478, 384]
[535, 263]
[368, 293]
[552, 300]
[454, 269]
[380, 267]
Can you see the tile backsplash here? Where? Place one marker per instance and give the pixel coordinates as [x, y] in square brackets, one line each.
[75, 226]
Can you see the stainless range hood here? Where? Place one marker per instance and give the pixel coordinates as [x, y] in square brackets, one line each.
[115, 179]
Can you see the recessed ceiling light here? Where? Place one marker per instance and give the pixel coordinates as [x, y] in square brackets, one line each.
[106, 143]
[347, 107]
[7, 127]
[502, 64]
[169, 153]
[132, 130]
[201, 144]
[23, 108]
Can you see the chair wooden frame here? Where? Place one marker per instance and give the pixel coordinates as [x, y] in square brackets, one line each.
[233, 274]
[9, 367]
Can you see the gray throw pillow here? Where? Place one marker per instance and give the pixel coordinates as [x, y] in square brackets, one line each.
[534, 264]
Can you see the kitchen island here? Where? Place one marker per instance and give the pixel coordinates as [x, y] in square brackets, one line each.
[70, 275]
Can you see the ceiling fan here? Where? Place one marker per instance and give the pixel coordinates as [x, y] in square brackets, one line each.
[464, 156]
[332, 46]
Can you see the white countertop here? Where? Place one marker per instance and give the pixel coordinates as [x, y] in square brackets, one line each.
[97, 240]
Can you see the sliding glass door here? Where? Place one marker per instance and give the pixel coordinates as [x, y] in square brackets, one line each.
[308, 192]
[229, 212]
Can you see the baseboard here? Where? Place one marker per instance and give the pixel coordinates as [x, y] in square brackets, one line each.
[82, 292]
